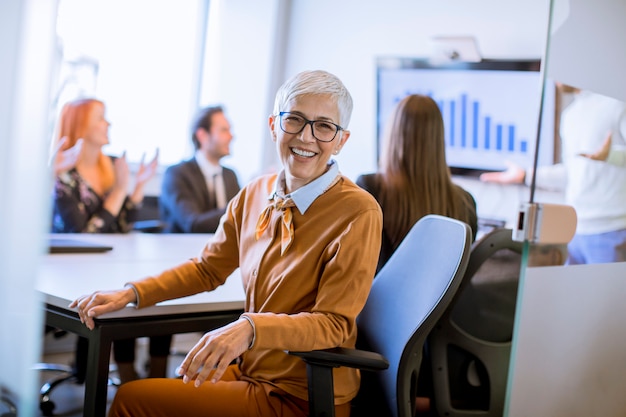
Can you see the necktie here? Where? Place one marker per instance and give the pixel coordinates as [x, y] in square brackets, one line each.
[286, 233]
[218, 188]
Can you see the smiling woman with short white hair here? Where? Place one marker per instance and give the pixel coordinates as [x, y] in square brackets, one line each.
[306, 241]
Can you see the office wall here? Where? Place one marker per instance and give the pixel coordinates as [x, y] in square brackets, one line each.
[242, 70]
[345, 38]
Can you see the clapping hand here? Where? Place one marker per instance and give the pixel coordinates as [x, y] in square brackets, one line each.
[147, 171]
[144, 174]
[63, 161]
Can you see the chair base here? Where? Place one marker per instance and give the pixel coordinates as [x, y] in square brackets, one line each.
[46, 405]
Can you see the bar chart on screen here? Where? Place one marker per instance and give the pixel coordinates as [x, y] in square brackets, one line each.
[490, 110]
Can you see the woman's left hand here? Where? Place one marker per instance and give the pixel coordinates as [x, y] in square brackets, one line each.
[215, 351]
[147, 171]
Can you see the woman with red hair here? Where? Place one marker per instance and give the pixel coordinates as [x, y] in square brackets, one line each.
[91, 196]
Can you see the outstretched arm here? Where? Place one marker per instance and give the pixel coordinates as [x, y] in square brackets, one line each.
[514, 174]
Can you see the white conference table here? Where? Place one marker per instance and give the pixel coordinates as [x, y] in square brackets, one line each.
[64, 277]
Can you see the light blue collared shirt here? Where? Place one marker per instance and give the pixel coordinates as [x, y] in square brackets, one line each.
[303, 197]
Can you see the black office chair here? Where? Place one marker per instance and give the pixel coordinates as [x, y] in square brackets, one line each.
[470, 346]
[408, 296]
[148, 219]
[64, 373]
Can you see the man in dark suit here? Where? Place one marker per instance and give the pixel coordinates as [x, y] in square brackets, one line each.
[195, 192]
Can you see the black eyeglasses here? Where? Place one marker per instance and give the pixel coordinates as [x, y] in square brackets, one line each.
[322, 130]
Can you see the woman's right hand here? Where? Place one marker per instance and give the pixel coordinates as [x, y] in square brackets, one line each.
[100, 302]
[63, 161]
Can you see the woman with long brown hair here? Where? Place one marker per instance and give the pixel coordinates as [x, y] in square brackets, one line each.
[414, 179]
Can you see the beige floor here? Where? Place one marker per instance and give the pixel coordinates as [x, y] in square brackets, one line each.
[68, 396]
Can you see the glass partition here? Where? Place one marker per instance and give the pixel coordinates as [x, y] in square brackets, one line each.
[568, 347]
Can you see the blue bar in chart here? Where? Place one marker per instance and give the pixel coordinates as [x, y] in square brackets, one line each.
[499, 137]
[475, 124]
[450, 129]
[463, 120]
[487, 133]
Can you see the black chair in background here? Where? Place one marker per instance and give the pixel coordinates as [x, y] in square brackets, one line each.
[470, 346]
[149, 220]
[408, 296]
[74, 373]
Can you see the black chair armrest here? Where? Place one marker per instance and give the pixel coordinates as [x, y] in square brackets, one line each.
[352, 358]
[319, 367]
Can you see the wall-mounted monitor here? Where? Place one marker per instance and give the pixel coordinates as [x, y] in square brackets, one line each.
[490, 108]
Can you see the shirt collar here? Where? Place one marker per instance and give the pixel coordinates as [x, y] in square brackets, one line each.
[304, 196]
[208, 168]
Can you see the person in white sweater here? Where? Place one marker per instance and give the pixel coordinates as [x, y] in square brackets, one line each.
[592, 174]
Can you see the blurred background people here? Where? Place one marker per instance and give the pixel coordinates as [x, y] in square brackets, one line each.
[414, 179]
[195, 192]
[591, 175]
[91, 196]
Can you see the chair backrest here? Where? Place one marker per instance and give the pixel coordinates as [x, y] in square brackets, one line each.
[408, 296]
[148, 219]
[470, 346]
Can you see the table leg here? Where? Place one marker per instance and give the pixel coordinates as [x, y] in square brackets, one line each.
[96, 380]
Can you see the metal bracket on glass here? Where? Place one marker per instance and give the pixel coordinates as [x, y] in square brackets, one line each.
[545, 223]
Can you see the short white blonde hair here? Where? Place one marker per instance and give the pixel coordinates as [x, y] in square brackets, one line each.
[316, 82]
